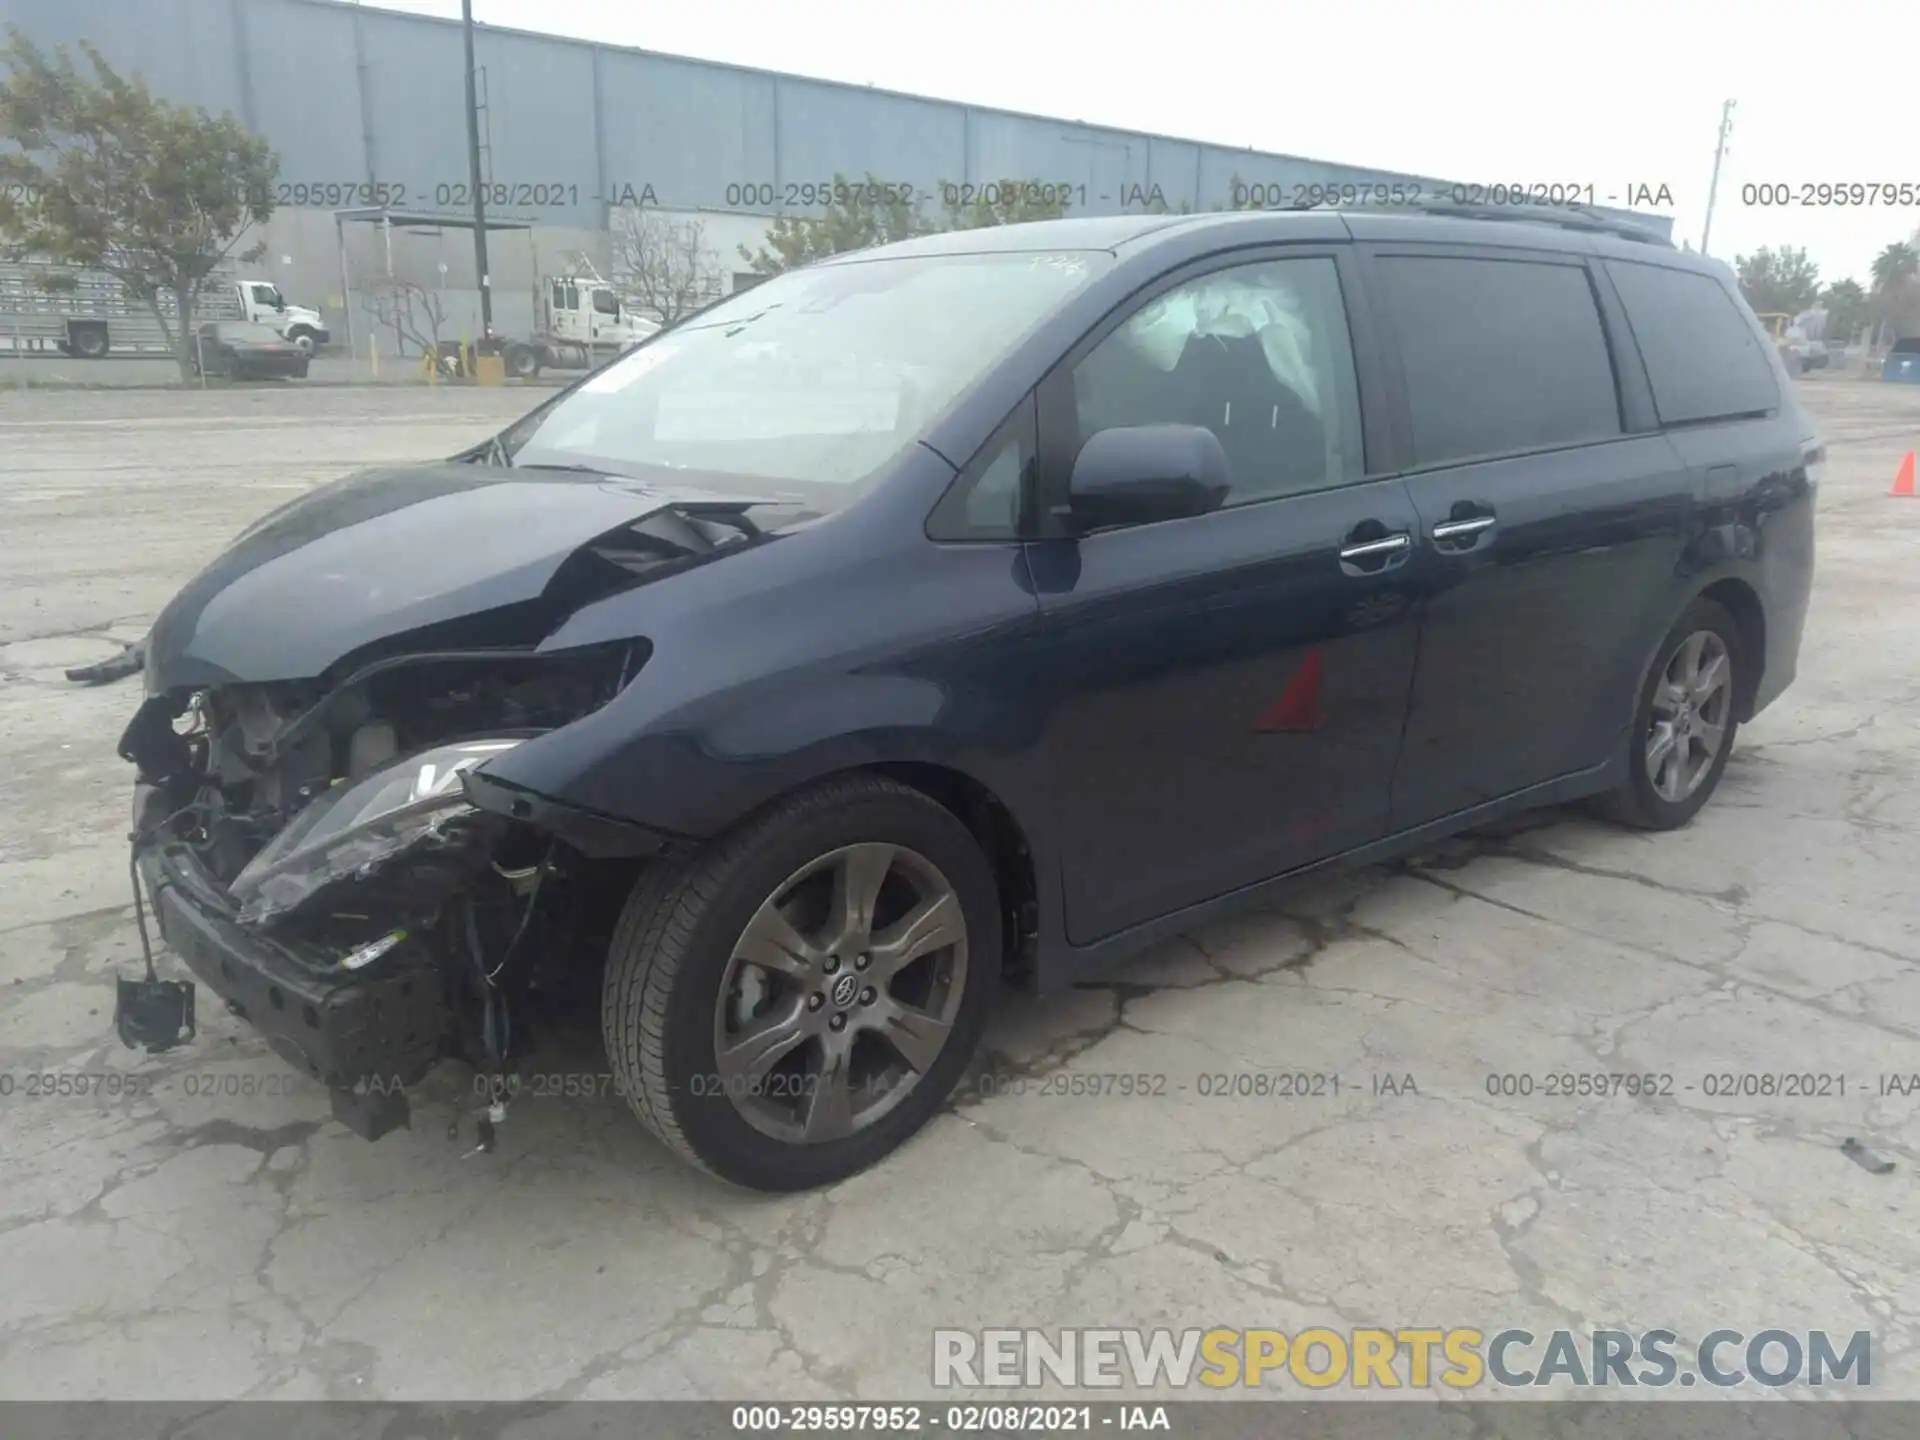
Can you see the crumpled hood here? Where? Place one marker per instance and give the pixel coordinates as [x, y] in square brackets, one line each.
[386, 552]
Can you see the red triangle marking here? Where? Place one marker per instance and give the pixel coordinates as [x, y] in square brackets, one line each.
[1298, 709]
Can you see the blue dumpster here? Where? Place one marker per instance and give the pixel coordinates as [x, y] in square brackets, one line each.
[1903, 361]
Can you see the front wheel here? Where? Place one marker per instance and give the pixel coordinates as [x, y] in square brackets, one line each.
[303, 339]
[793, 1003]
[1684, 726]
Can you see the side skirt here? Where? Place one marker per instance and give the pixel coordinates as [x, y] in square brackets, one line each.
[1060, 965]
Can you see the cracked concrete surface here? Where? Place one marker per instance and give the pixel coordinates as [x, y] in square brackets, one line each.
[216, 1235]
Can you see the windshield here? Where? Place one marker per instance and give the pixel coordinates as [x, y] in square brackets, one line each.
[818, 377]
[253, 334]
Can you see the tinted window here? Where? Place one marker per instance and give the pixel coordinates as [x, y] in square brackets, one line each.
[1499, 356]
[1259, 355]
[1703, 359]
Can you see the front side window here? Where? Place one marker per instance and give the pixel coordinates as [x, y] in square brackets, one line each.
[819, 377]
[1258, 354]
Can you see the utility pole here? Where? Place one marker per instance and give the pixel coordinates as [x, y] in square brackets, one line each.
[473, 173]
[1713, 185]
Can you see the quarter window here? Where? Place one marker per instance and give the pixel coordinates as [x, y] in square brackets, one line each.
[1258, 354]
[989, 501]
[1703, 359]
[1499, 356]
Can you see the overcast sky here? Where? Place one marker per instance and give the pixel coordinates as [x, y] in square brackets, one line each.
[1490, 90]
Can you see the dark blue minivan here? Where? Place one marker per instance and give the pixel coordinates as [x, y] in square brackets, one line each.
[969, 611]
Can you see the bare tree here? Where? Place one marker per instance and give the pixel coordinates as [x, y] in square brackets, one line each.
[665, 266]
[412, 312]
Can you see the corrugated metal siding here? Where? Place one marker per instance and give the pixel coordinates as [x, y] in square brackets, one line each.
[350, 94]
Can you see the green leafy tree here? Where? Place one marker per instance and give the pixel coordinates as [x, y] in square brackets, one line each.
[861, 214]
[1895, 298]
[1002, 202]
[1894, 266]
[100, 173]
[1847, 309]
[1783, 280]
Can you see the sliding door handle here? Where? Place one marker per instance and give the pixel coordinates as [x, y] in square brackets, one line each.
[1374, 549]
[1461, 529]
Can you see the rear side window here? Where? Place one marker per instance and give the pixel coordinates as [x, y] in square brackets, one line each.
[1703, 359]
[1499, 356]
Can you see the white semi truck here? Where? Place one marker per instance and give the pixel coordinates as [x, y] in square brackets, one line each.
[582, 321]
[49, 309]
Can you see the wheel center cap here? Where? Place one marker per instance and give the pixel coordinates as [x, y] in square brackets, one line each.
[844, 990]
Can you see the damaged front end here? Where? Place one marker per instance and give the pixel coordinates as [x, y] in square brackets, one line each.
[318, 858]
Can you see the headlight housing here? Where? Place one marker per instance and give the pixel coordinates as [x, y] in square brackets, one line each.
[352, 830]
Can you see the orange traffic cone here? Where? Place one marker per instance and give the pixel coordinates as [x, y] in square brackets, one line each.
[1903, 479]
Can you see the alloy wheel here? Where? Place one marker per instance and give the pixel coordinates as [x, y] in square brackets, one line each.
[841, 993]
[1691, 706]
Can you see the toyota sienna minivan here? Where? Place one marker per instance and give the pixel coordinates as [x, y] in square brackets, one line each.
[965, 612]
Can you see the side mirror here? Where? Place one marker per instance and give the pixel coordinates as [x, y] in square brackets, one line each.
[1135, 474]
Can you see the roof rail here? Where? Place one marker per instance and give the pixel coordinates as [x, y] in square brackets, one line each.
[1566, 216]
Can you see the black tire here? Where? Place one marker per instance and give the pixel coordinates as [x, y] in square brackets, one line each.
[676, 938]
[523, 362]
[91, 343]
[1636, 802]
[304, 338]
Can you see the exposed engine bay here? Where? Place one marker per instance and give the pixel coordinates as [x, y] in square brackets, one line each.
[313, 822]
[331, 825]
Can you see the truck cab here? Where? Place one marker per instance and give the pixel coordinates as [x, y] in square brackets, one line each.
[583, 320]
[590, 312]
[262, 303]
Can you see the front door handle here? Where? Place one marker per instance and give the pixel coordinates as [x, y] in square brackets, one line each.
[1461, 529]
[1372, 549]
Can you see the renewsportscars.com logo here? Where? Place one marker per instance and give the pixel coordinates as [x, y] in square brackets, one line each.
[1413, 1358]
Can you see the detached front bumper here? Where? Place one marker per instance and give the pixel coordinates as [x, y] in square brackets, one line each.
[357, 1033]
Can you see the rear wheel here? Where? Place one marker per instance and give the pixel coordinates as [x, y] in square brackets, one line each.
[793, 1003]
[523, 362]
[1684, 726]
